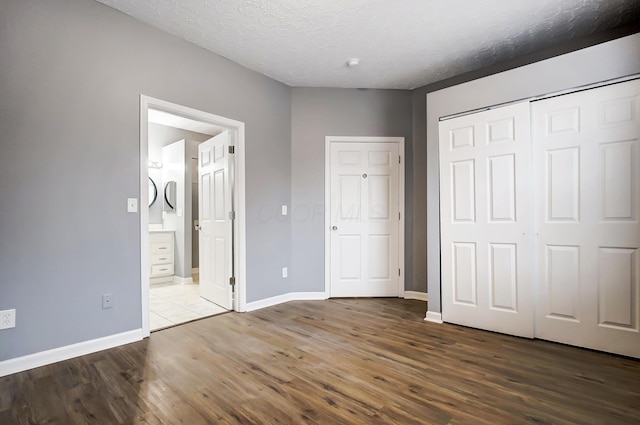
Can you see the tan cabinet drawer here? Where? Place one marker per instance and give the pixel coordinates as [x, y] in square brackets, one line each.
[162, 270]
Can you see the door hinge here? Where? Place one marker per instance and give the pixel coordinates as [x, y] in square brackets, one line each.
[399, 159]
[232, 281]
[232, 215]
[232, 149]
[398, 216]
[399, 272]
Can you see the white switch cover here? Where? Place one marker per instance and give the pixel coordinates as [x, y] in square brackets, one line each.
[285, 272]
[284, 210]
[132, 205]
[179, 212]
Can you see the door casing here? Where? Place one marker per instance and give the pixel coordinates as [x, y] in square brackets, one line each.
[327, 203]
[237, 134]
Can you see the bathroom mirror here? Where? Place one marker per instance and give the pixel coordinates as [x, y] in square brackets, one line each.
[153, 191]
[170, 196]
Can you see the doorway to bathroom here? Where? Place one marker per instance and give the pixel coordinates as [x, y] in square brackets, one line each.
[192, 233]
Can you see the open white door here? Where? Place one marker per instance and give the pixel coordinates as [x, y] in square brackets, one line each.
[215, 207]
[485, 220]
[365, 221]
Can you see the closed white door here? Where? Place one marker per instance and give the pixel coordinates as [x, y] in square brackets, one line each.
[364, 197]
[214, 207]
[587, 165]
[486, 220]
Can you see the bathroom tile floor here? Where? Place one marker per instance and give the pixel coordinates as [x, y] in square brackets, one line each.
[175, 303]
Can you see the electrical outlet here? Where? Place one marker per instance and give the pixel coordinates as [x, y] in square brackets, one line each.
[8, 319]
[107, 301]
[285, 272]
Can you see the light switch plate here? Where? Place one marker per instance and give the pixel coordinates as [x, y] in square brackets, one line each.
[132, 205]
[284, 210]
[285, 272]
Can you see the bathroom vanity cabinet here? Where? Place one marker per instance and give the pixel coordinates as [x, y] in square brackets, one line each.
[161, 255]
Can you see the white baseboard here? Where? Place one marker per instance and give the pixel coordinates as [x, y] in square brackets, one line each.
[19, 364]
[279, 299]
[161, 279]
[182, 280]
[415, 295]
[434, 317]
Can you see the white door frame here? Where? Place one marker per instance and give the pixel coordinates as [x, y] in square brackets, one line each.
[237, 138]
[328, 140]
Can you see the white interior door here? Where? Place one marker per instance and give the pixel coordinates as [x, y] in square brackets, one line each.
[364, 197]
[587, 164]
[214, 207]
[485, 220]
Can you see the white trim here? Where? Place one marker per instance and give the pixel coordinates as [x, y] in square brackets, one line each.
[415, 295]
[327, 202]
[434, 317]
[279, 299]
[182, 280]
[327, 217]
[546, 95]
[238, 135]
[19, 364]
[160, 279]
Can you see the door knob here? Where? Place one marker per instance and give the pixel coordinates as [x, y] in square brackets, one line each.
[334, 227]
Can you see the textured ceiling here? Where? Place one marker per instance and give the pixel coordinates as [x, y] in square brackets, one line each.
[400, 43]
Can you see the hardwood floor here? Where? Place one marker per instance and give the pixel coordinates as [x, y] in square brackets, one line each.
[345, 361]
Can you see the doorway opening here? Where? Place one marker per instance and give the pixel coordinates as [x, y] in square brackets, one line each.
[185, 276]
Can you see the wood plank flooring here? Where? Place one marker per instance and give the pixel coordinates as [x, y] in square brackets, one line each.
[345, 361]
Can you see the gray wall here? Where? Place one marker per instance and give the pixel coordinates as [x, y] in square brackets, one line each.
[72, 73]
[601, 62]
[320, 112]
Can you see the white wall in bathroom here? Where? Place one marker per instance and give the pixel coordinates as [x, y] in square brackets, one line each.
[173, 169]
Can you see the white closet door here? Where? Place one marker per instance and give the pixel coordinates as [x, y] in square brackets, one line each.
[587, 164]
[485, 220]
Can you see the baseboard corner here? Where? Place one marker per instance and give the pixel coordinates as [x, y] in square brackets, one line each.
[279, 299]
[415, 295]
[434, 317]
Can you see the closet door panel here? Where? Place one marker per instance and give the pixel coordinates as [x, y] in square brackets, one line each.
[485, 220]
[587, 194]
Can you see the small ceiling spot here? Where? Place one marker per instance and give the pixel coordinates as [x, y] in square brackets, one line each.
[353, 62]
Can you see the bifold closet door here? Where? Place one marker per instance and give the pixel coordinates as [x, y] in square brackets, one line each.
[587, 198]
[485, 220]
